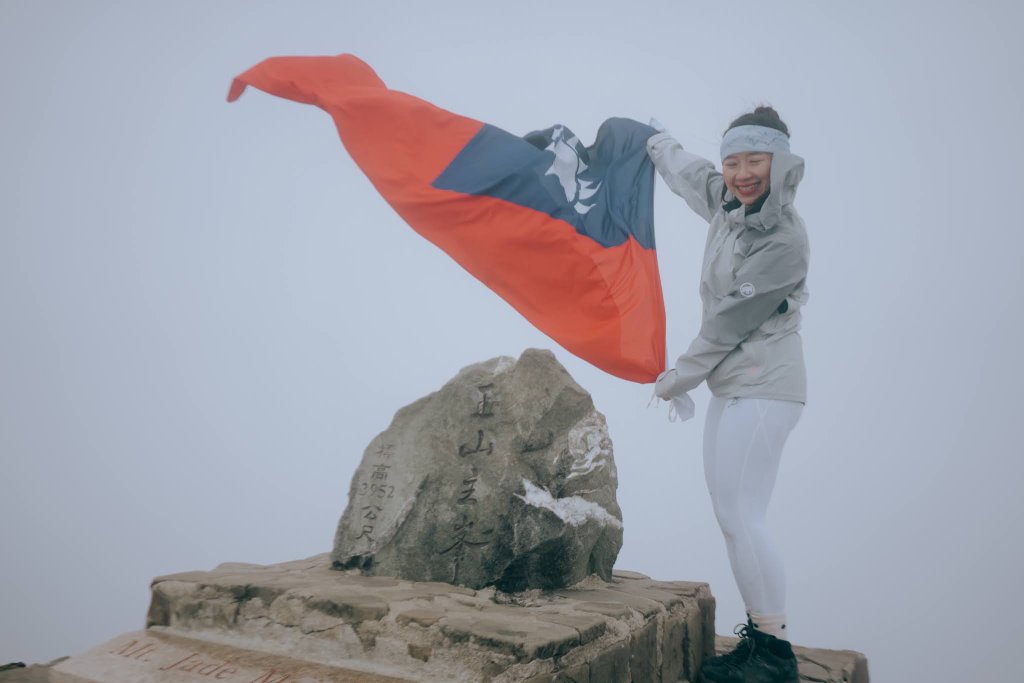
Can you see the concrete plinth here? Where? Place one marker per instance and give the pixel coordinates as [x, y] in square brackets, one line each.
[630, 629]
[155, 657]
[302, 622]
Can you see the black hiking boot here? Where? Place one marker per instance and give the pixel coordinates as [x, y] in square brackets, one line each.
[739, 653]
[758, 658]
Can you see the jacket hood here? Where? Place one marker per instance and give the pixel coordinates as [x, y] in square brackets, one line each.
[787, 171]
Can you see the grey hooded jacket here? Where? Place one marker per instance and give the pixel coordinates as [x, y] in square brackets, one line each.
[752, 283]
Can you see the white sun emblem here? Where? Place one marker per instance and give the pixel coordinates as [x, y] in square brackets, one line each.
[567, 167]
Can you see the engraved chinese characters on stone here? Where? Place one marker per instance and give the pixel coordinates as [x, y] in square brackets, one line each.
[485, 406]
[480, 447]
[374, 492]
[504, 477]
[462, 528]
[162, 657]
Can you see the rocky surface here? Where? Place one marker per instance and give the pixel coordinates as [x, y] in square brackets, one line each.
[477, 626]
[36, 673]
[503, 477]
[158, 657]
[631, 628]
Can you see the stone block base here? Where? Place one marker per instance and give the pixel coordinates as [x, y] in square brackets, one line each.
[302, 622]
[630, 629]
[154, 657]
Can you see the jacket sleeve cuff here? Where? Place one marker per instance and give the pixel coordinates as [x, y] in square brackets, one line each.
[690, 176]
[659, 138]
[669, 154]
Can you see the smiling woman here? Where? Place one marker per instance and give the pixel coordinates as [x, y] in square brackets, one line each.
[750, 353]
[746, 175]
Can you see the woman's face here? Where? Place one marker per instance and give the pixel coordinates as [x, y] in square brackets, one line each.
[747, 175]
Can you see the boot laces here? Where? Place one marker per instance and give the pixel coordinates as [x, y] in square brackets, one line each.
[746, 632]
[745, 648]
[744, 652]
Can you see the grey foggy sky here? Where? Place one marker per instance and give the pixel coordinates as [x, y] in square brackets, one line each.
[207, 312]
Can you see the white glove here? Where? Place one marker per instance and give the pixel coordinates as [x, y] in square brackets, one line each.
[680, 408]
[657, 125]
[683, 407]
[664, 386]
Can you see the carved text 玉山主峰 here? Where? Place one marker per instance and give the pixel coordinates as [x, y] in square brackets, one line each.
[485, 406]
[465, 450]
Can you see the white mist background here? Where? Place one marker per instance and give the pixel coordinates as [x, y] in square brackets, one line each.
[207, 312]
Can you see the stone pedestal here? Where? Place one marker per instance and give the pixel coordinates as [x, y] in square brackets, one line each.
[301, 622]
[503, 477]
[632, 628]
[155, 657]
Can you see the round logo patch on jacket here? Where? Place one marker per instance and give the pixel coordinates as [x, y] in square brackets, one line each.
[747, 290]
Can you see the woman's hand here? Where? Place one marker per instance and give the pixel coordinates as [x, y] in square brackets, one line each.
[665, 384]
[681, 406]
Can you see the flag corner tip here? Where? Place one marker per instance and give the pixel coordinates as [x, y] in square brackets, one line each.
[236, 90]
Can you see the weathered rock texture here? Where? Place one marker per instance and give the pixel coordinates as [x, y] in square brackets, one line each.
[629, 629]
[159, 656]
[156, 657]
[37, 673]
[503, 477]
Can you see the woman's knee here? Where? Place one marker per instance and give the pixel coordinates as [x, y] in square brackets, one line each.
[735, 521]
[729, 521]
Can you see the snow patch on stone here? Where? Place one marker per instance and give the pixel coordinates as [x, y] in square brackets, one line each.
[495, 366]
[572, 510]
[504, 364]
[589, 445]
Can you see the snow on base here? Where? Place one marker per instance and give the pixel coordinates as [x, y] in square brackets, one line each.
[572, 510]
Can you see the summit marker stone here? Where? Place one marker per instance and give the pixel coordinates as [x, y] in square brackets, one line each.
[505, 476]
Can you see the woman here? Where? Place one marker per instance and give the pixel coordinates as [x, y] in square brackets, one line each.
[750, 353]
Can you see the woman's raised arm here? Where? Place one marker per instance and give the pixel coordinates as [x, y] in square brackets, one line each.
[692, 177]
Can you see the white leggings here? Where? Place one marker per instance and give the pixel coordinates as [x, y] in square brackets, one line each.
[743, 439]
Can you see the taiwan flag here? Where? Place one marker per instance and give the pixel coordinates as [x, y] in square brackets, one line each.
[563, 232]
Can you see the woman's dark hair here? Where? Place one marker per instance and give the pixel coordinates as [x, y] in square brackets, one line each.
[761, 116]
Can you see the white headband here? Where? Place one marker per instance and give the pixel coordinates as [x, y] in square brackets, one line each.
[753, 139]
